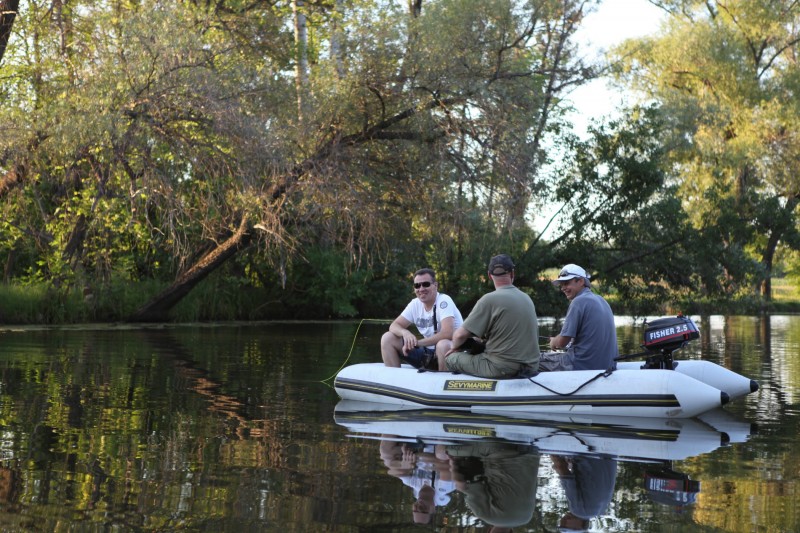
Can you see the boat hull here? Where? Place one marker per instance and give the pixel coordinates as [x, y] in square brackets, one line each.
[625, 392]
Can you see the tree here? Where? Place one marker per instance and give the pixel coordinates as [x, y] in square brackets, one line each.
[163, 133]
[726, 75]
[619, 214]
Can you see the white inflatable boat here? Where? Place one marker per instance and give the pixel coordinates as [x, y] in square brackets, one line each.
[658, 387]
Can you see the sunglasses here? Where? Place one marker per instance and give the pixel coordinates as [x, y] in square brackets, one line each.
[425, 284]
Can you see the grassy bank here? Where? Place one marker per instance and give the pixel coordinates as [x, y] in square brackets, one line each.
[39, 304]
[216, 300]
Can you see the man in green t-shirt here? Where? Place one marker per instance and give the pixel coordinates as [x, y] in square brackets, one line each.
[505, 320]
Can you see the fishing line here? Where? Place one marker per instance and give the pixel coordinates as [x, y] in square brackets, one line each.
[352, 346]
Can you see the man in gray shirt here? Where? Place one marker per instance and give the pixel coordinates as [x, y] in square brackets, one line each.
[588, 334]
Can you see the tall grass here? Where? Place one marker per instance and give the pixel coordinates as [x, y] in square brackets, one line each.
[221, 298]
[39, 304]
[786, 290]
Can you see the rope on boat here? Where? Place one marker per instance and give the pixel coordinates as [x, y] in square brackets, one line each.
[604, 374]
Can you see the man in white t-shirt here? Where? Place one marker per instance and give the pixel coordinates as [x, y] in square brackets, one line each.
[422, 469]
[435, 316]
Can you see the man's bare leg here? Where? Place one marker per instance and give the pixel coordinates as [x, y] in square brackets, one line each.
[391, 348]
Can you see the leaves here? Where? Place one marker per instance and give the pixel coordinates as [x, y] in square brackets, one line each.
[725, 74]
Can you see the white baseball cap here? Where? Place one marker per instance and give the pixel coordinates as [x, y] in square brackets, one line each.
[570, 272]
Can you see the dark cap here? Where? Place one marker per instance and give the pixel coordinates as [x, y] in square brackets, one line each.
[500, 265]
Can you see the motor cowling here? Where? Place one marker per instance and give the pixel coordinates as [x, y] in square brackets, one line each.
[666, 335]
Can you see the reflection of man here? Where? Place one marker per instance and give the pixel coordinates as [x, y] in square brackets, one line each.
[588, 483]
[421, 470]
[498, 480]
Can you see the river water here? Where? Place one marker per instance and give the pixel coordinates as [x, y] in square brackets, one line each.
[235, 427]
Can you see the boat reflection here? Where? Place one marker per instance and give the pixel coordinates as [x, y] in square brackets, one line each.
[493, 459]
[627, 438]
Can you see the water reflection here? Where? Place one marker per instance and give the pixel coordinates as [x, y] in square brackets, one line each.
[498, 479]
[161, 428]
[494, 459]
[229, 428]
[619, 436]
[423, 468]
[588, 482]
[669, 487]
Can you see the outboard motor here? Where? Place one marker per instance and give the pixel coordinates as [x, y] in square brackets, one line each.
[664, 336]
[672, 488]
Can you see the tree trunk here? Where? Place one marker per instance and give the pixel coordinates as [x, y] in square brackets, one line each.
[9, 266]
[767, 260]
[782, 222]
[301, 56]
[11, 178]
[337, 39]
[8, 12]
[19, 169]
[158, 308]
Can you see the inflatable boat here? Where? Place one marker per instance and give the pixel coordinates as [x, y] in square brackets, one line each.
[623, 437]
[657, 387]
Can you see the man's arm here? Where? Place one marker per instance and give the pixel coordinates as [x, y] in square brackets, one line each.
[399, 328]
[459, 337]
[559, 342]
[445, 333]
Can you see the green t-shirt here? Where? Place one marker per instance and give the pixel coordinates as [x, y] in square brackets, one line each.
[506, 320]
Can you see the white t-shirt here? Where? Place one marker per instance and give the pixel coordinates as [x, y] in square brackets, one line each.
[424, 475]
[416, 314]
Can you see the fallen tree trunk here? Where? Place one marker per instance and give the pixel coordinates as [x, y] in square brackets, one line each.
[158, 308]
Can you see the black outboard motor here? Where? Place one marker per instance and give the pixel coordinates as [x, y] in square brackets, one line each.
[668, 487]
[665, 335]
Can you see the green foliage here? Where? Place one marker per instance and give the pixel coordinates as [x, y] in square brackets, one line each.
[220, 297]
[323, 285]
[145, 132]
[723, 75]
[623, 221]
[40, 304]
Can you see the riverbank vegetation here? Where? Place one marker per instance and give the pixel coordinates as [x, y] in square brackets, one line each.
[254, 160]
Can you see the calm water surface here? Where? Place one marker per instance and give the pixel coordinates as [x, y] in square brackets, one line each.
[233, 428]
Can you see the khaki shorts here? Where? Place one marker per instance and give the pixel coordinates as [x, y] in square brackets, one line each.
[554, 362]
[480, 365]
